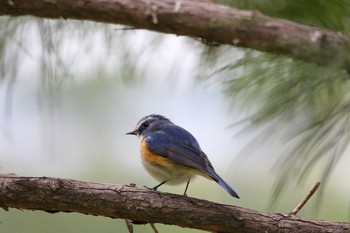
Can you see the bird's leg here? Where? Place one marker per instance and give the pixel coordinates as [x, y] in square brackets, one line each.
[188, 183]
[156, 187]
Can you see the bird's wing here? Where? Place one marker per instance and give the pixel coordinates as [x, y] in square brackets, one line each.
[181, 147]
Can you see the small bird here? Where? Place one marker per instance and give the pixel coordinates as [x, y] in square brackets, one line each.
[172, 155]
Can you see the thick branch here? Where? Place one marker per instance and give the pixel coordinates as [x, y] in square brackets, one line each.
[211, 22]
[129, 202]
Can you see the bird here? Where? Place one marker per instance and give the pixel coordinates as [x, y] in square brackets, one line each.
[172, 155]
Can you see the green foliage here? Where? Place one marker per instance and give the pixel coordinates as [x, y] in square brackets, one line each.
[282, 86]
[333, 15]
[309, 103]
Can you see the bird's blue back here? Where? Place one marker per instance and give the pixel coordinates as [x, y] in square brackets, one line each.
[178, 145]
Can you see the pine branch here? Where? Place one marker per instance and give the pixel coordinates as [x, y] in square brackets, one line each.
[142, 205]
[211, 22]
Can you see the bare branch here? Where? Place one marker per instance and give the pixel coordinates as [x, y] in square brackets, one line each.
[142, 205]
[306, 198]
[154, 228]
[209, 21]
[129, 225]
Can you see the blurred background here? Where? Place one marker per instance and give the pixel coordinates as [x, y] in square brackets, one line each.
[271, 126]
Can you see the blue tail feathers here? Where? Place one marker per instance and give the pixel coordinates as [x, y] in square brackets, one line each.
[221, 182]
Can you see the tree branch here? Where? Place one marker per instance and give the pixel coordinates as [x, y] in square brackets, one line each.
[212, 22]
[142, 205]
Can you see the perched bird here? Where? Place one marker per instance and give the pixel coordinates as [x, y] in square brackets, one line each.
[172, 155]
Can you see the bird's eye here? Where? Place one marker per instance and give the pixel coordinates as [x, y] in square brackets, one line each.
[145, 125]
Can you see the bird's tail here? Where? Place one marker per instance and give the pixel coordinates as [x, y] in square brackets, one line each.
[221, 182]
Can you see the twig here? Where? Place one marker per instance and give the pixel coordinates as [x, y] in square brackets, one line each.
[154, 228]
[303, 202]
[126, 28]
[129, 225]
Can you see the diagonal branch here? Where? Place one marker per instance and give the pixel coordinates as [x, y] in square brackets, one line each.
[142, 205]
[306, 198]
[212, 22]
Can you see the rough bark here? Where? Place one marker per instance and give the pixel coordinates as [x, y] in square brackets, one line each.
[212, 22]
[130, 202]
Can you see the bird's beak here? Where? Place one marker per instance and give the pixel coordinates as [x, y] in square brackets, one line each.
[135, 132]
